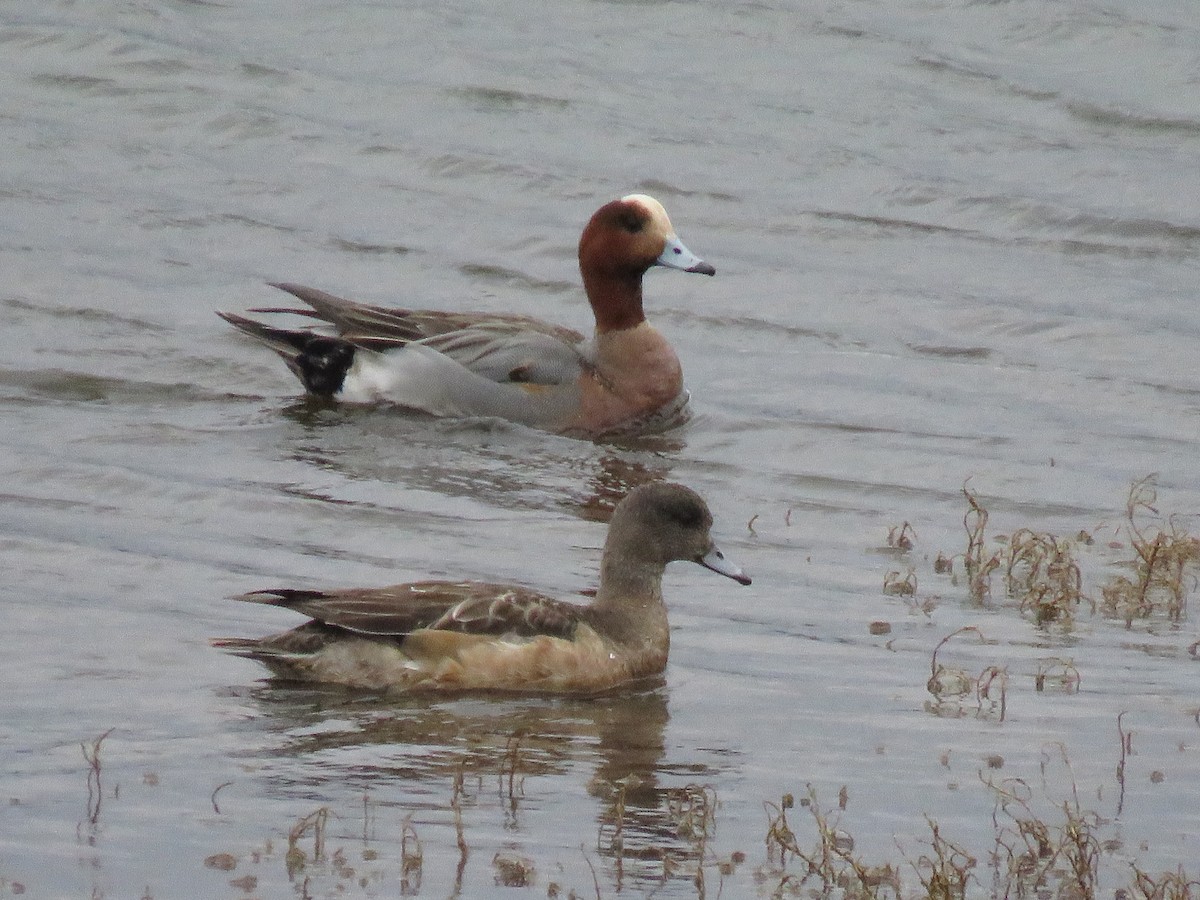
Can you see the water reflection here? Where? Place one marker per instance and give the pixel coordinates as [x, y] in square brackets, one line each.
[615, 476]
[493, 462]
[528, 757]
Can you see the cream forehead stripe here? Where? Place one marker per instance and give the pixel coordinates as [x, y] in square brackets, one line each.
[658, 215]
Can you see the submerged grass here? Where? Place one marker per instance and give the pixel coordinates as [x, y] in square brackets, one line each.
[1041, 572]
[1035, 853]
[1173, 885]
[1040, 848]
[1042, 577]
[950, 684]
[946, 870]
[91, 756]
[296, 860]
[1165, 564]
[826, 867]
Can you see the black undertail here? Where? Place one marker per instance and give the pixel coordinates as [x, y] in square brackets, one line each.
[322, 364]
[319, 361]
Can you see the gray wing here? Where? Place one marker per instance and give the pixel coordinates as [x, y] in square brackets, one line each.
[504, 352]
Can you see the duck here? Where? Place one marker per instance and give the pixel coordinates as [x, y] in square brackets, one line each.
[625, 379]
[468, 636]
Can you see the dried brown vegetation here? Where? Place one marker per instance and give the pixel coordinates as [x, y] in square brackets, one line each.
[412, 859]
[91, 756]
[900, 585]
[1176, 885]
[1042, 574]
[1165, 563]
[950, 683]
[1057, 672]
[946, 869]
[693, 811]
[315, 823]
[1039, 848]
[1040, 571]
[901, 537]
[978, 563]
[1036, 856]
[829, 866]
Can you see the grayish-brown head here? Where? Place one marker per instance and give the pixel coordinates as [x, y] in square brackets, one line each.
[659, 523]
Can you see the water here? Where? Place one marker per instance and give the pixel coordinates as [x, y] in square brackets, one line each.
[954, 240]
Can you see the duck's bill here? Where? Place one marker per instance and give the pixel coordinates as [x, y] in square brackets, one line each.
[676, 256]
[714, 559]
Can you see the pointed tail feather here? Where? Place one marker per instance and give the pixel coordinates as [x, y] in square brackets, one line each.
[250, 648]
[280, 596]
[319, 362]
[287, 343]
[280, 662]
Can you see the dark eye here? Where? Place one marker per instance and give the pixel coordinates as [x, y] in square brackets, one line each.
[631, 221]
[689, 515]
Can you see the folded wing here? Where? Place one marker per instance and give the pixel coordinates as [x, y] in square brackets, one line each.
[460, 607]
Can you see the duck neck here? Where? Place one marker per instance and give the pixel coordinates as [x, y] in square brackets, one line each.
[616, 299]
[629, 603]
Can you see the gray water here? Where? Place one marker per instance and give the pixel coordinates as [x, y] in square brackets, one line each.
[954, 240]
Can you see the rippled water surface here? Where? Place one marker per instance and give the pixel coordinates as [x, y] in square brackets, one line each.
[954, 240]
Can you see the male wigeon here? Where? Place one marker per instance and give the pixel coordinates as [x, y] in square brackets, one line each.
[473, 636]
[626, 379]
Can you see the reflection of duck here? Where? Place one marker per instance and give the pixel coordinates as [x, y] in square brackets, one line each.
[614, 477]
[626, 379]
[432, 739]
[471, 636]
[521, 760]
